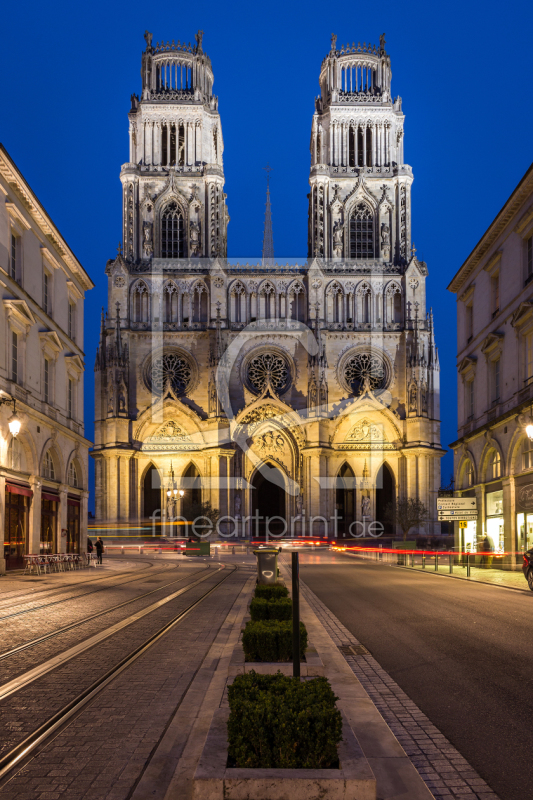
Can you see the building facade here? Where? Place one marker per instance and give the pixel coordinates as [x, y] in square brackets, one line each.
[43, 470]
[266, 389]
[493, 456]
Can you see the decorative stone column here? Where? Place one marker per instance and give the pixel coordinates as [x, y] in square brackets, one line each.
[62, 517]
[34, 517]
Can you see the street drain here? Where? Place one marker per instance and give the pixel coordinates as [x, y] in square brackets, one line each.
[353, 650]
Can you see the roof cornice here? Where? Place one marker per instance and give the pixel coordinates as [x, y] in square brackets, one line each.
[497, 226]
[11, 174]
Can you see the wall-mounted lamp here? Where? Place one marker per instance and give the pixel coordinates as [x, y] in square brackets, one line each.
[13, 421]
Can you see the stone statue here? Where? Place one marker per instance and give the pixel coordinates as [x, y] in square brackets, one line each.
[195, 238]
[313, 394]
[412, 398]
[199, 36]
[338, 238]
[121, 399]
[365, 506]
[148, 248]
[333, 41]
[382, 42]
[424, 397]
[299, 504]
[110, 403]
[148, 39]
[213, 397]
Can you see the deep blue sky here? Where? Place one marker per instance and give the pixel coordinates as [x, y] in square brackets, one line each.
[463, 70]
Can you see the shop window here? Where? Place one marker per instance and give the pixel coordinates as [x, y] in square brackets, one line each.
[527, 454]
[495, 525]
[524, 528]
[73, 526]
[48, 526]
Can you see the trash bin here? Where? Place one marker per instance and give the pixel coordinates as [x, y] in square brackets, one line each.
[267, 564]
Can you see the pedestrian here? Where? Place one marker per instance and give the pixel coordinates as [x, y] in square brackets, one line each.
[99, 549]
[90, 549]
[487, 547]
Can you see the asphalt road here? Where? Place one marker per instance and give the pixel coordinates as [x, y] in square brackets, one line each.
[462, 651]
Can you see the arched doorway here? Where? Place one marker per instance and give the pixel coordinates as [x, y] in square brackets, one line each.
[268, 500]
[192, 499]
[345, 499]
[152, 493]
[384, 496]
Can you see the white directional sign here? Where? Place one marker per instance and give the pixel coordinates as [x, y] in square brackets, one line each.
[457, 515]
[456, 503]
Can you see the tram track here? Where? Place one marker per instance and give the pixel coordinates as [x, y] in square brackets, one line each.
[46, 637]
[21, 752]
[8, 598]
[128, 579]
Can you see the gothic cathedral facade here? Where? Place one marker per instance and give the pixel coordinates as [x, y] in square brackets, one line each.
[309, 390]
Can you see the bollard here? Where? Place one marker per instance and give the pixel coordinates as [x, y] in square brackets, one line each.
[451, 563]
[412, 560]
[423, 560]
[295, 616]
[436, 561]
[468, 564]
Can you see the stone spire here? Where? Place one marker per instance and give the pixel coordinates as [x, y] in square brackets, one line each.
[268, 239]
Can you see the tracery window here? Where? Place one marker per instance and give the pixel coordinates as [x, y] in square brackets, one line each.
[140, 302]
[365, 369]
[171, 303]
[271, 366]
[361, 232]
[172, 232]
[171, 368]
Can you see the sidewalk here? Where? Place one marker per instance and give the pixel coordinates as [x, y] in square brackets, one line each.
[495, 577]
[443, 769]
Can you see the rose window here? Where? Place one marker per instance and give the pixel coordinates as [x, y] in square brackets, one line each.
[173, 369]
[365, 369]
[268, 366]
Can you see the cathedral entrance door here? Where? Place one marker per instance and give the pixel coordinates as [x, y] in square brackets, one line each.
[345, 500]
[268, 500]
[152, 493]
[384, 496]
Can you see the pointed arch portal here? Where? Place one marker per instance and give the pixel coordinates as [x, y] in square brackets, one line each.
[345, 499]
[384, 496]
[152, 493]
[268, 500]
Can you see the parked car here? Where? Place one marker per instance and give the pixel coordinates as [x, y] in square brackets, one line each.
[527, 568]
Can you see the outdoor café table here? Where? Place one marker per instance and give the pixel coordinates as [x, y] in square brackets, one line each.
[36, 564]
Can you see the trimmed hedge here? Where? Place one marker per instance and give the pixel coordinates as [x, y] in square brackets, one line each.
[271, 591]
[271, 640]
[261, 608]
[279, 722]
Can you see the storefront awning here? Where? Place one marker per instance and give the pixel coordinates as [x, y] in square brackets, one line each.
[72, 502]
[53, 498]
[15, 488]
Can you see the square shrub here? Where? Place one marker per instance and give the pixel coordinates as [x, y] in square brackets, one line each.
[281, 722]
[271, 591]
[261, 608]
[271, 640]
